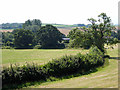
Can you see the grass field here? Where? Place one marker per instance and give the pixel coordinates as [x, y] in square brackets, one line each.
[40, 56]
[106, 77]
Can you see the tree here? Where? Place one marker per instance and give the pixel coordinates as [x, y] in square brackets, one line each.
[49, 36]
[7, 39]
[23, 39]
[101, 31]
[32, 22]
[33, 25]
[79, 39]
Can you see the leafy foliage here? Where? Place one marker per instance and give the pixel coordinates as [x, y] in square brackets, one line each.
[7, 39]
[23, 39]
[36, 22]
[80, 39]
[33, 25]
[101, 31]
[65, 65]
[11, 25]
[49, 36]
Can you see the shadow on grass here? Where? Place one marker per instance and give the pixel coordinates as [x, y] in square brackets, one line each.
[116, 58]
[50, 79]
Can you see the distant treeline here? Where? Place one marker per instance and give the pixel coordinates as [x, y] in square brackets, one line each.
[11, 25]
[19, 25]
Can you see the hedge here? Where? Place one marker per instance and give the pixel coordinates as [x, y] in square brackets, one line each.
[65, 65]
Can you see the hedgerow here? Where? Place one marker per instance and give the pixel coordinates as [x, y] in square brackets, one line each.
[63, 66]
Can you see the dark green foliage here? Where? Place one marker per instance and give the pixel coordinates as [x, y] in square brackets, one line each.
[28, 23]
[33, 34]
[23, 39]
[7, 39]
[33, 25]
[11, 25]
[17, 74]
[80, 25]
[63, 66]
[114, 34]
[49, 37]
[118, 34]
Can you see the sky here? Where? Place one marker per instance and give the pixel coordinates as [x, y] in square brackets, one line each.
[57, 11]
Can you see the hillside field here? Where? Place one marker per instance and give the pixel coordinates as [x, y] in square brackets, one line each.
[41, 56]
[106, 77]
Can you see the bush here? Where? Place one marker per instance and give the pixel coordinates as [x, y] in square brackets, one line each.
[17, 74]
[37, 47]
[95, 51]
[6, 47]
[63, 66]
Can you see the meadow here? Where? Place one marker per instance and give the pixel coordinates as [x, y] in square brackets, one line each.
[106, 77]
[41, 56]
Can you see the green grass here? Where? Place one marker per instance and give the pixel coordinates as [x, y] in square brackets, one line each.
[63, 25]
[106, 77]
[40, 56]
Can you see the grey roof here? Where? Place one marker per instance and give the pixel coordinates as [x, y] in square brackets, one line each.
[66, 38]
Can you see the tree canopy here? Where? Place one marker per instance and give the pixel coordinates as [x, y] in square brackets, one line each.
[23, 39]
[49, 36]
[32, 22]
[79, 39]
[101, 30]
[32, 25]
[99, 33]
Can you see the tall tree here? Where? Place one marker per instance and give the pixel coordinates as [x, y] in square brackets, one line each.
[101, 30]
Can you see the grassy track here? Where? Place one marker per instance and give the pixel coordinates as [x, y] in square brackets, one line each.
[105, 78]
[40, 56]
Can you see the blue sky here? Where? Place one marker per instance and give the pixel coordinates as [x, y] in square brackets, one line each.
[57, 11]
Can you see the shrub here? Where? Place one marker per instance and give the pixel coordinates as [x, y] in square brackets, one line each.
[6, 47]
[18, 74]
[63, 66]
[95, 51]
[37, 47]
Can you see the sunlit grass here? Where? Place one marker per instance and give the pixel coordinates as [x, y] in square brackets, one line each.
[40, 56]
[106, 77]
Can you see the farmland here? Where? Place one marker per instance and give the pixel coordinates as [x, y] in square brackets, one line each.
[106, 77]
[62, 30]
[6, 30]
[35, 55]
